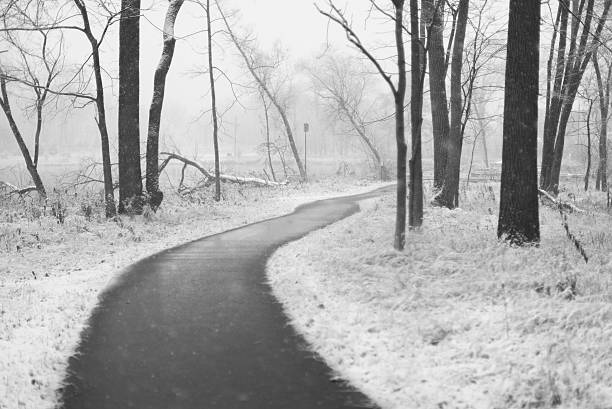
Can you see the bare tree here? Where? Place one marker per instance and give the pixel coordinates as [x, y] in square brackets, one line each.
[437, 87]
[95, 43]
[37, 65]
[417, 73]
[519, 208]
[449, 195]
[155, 111]
[261, 67]
[398, 91]
[213, 101]
[587, 173]
[562, 87]
[603, 88]
[342, 90]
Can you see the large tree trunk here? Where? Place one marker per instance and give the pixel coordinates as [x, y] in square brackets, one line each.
[418, 59]
[109, 193]
[400, 138]
[213, 101]
[519, 213]
[604, 103]
[130, 179]
[449, 195]
[155, 111]
[437, 90]
[32, 170]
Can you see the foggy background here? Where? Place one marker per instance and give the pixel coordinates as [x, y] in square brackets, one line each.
[70, 135]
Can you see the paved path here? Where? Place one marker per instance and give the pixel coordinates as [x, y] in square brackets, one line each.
[196, 327]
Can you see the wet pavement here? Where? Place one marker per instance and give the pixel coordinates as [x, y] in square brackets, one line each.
[196, 326]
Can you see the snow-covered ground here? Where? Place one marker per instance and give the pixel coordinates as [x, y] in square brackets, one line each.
[458, 319]
[51, 272]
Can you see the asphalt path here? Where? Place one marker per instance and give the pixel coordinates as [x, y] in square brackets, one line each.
[196, 326]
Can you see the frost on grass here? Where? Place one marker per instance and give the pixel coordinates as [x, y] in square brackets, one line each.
[457, 320]
[52, 270]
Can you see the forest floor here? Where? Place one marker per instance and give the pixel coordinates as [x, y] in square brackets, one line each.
[458, 319]
[54, 261]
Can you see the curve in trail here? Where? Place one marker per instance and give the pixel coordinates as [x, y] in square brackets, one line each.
[196, 326]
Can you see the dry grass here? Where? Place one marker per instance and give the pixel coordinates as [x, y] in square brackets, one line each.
[458, 320]
[51, 270]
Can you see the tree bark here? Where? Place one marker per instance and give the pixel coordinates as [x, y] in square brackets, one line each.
[400, 138]
[449, 195]
[519, 208]
[418, 60]
[32, 170]
[130, 179]
[155, 111]
[437, 91]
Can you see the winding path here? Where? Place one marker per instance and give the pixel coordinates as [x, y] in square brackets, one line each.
[196, 326]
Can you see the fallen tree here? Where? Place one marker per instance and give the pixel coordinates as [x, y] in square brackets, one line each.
[209, 175]
[12, 189]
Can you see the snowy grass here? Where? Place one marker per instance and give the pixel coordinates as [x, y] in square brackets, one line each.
[55, 259]
[458, 319]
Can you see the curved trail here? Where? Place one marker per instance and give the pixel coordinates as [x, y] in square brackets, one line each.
[196, 326]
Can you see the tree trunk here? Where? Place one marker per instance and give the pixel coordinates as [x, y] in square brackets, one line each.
[449, 195]
[267, 118]
[571, 83]
[155, 111]
[400, 138]
[587, 174]
[213, 102]
[578, 58]
[418, 59]
[437, 90]
[109, 193]
[32, 170]
[359, 128]
[604, 103]
[519, 208]
[41, 97]
[130, 179]
[553, 107]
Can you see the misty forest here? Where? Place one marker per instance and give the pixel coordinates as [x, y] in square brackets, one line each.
[273, 204]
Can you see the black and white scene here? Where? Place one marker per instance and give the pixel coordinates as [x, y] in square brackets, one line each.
[305, 204]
